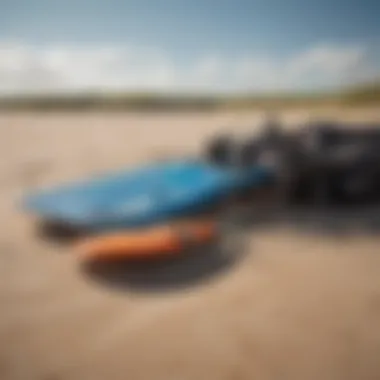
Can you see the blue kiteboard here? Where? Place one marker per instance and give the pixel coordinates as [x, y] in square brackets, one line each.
[142, 196]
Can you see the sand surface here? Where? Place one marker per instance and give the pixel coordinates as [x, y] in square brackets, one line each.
[296, 306]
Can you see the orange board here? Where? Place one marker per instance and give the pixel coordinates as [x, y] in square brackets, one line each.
[167, 240]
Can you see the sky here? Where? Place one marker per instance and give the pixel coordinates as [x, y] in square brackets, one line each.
[190, 46]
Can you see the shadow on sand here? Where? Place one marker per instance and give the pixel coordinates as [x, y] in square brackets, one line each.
[328, 220]
[335, 220]
[56, 232]
[201, 265]
[192, 268]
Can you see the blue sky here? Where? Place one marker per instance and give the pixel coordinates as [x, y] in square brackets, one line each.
[187, 45]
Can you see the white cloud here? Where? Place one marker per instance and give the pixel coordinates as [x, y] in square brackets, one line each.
[329, 64]
[209, 68]
[318, 67]
[25, 68]
[329, 59]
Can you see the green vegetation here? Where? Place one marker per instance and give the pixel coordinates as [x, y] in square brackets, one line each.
[369, 94]
[143, 102]
[364, 94]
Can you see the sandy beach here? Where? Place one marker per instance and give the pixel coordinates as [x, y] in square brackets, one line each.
[296, 306]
